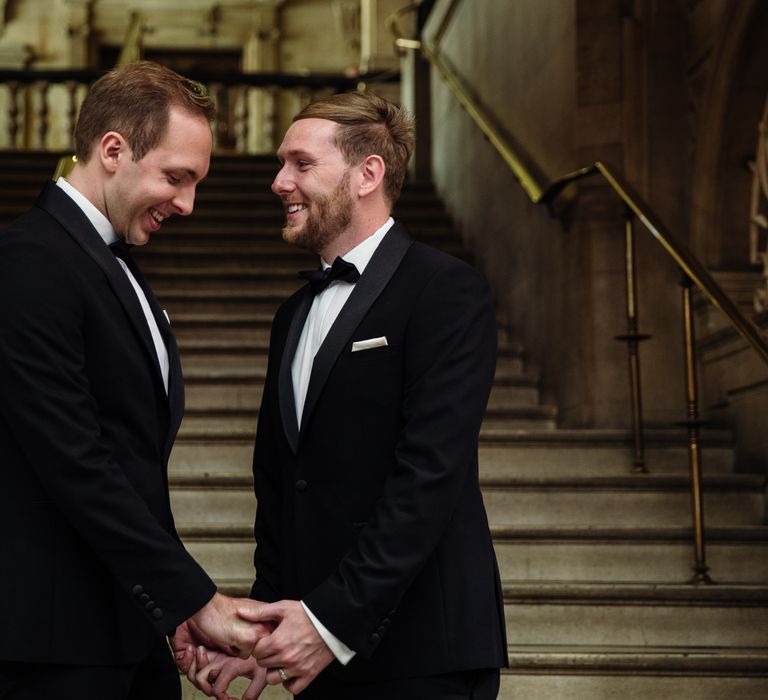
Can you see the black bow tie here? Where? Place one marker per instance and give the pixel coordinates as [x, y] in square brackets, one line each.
[119, 248]
[340, 270]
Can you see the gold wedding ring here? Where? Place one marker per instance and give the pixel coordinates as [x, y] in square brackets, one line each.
[283, 675]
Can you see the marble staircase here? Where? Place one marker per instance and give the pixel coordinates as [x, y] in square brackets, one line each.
[594, 559]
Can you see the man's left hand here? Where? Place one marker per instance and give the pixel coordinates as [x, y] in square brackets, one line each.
[294, 648]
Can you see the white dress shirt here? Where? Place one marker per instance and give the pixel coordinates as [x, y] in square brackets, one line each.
[322, 314]
[105, 229]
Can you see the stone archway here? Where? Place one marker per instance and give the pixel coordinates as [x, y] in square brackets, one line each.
[726, 122]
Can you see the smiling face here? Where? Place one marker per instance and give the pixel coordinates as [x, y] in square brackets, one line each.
[141, 194]
[314, 185]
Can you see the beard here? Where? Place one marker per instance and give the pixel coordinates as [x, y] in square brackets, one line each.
[328, 216]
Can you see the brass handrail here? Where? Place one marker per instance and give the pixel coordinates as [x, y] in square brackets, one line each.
[693, 270]
[539, 192]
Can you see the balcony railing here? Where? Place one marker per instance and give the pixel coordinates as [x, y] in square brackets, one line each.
[38, 108]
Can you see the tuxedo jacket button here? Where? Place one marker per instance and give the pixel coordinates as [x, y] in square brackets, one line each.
[157, 613]
[301, 485]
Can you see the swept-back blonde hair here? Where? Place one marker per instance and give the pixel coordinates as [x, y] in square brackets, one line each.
[369, 125]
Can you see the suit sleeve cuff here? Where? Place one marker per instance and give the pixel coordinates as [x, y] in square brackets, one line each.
[340, 650]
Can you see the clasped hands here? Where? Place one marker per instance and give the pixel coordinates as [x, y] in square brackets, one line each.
[266, 642]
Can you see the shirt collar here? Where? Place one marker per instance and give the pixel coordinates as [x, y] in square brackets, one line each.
[100, 222]
[362, 253]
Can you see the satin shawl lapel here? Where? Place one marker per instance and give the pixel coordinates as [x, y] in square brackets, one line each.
[285, 379]
[59, 205]
[377, 274]
[175, 378]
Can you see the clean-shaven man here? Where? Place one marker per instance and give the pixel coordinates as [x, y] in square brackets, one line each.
[91, 396]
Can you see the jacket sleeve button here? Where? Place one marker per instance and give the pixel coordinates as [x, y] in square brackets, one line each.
[157, 613]
[375, 638]
[137, 590]
[301, 485]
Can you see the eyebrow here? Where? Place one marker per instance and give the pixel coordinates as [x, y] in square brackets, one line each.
[296, 152]
[187, 171]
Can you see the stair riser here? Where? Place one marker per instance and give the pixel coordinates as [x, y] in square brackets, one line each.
[545, 561]
[524, 509]
[553, 507]
[636, 625]
[190, 332]
[244, 395]
[224, 560]
[584, 685]
[586, 560]
[222, 506]
[267, 303]
[590, 685]
[237, 427]
[236, 689]
[164, 281]
[547, 460]
[495, 461]
[507, 366]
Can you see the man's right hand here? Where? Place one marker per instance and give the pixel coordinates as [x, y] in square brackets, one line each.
[218, 620]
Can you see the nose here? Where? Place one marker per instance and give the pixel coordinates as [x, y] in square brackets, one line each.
[184, 201]
[282, 184]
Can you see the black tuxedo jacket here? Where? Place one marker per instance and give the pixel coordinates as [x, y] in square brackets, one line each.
[370, 511]
[93, 568]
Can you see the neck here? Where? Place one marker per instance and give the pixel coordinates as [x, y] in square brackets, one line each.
[361, 228]
[83, 181]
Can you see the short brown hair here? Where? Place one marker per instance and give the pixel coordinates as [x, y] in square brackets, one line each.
[369, 125]
[134, 100]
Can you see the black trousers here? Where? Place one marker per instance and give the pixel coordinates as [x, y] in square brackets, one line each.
[480, 684]
[155, 678]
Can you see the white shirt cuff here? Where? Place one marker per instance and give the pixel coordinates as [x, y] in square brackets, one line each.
[340, 650]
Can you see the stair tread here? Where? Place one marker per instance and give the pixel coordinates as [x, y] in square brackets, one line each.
[636, 592]
[566, 533]
[633, 482]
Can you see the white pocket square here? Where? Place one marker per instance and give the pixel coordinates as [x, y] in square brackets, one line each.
[167, 317]
[370, 343]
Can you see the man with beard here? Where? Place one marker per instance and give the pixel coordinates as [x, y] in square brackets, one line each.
[372, 539]
[94, 575]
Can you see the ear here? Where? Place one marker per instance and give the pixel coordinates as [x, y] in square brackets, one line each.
[111, 148]
[372, 171]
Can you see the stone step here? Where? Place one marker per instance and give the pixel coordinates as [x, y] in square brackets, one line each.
[584, 672]
[213, 353]
[647, 673]
[602, 502]
[523, 454]
[214, 256]
[658, 615]
[610, 501]
[253, 192]
[612, 554]
[221, 280]
[565, 554]
[243, 390]
[598, 451]
[190, 230]
[228, 424]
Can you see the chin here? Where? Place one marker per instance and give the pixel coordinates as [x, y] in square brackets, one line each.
[137, 237]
